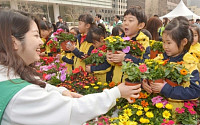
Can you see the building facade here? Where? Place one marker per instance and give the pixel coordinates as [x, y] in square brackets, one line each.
[51, 9]
[155, 7]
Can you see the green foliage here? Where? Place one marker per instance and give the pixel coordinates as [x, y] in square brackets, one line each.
[156, 45]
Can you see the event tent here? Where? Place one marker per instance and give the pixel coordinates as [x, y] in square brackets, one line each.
[181, 10]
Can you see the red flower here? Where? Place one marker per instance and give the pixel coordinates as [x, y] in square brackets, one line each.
[94, 51]
[167, 122]
[53, 50]
[76, 70]
[100, 54]
[49, 42]
[103, 48]
[50, 59]
[44, 75]
[188, 105]
[143, 68]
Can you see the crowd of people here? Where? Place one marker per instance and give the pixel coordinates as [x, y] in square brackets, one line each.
[26, 99]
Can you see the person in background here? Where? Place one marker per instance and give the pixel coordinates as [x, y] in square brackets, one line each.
[25, 98]
[117, 31]
[98, 19]
[165, 22]
[103, 71]
[153, 25]
[83, 46]
[117, 21]
[197, 23]
[74, 30]
[191, 21]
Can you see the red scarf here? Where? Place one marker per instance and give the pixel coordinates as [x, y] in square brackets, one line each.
[83, 38]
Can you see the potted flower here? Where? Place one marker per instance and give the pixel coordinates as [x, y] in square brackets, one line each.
[97, 57]
[63, 38]
[115, 43]
[157, 70]
[135, 48]
[53, 46]
[178, 74]
[156, 48]
[134, 72]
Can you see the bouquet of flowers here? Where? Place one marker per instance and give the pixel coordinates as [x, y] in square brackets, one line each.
[145, 110]
[63, 38]
[115, 43]
[97, 57]
[178, 73]
[187, 115]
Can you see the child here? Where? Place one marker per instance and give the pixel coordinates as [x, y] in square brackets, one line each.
[83, 46]
[74, 30]
[177, 39]
[117, 31]
[134, 21]
[195, 47]
[46, 30]
[31, 100]
[102, 71]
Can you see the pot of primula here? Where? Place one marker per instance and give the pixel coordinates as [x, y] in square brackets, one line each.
[157, 70]
[178, 74]
[156, 48]
[134, 72]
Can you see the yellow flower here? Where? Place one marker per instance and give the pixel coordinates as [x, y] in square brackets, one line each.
[123, 118]
[139, 112]
[126, 106]
[105, 84]
[92, 84]
[96, 87]
[86, 87]
[135, 106]
[146, 109]
[166, 114]
[131, 123]
[169, 106]
[149, 114]
[143, 120]
[140, 107]
[128, 112]
[99, 83]
[156, 67]
[159, 105]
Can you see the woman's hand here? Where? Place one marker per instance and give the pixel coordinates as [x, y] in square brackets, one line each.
[146, 86]
[71, 94]
[129, 92]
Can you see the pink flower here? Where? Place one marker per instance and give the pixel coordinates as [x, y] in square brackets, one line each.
[164, 102]
[188, 105]
[94, 51]
[180, 110]
[167, 122]
[143, 68]
[192, 111]
[100, 54]
[156, 99]
[126, 50]
[126, 38]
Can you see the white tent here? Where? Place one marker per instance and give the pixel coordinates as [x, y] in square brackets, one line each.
[181, 10]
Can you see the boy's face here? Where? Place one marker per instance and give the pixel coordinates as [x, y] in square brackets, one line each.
[131, 26]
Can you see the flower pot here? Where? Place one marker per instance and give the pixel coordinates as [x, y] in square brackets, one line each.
[129, 83]
[171, 83]
[63, 45]
[153, 54]
[156, 81]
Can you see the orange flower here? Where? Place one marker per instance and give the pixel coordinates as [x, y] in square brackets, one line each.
[112, 84]
[183, 72]
[180, 62]
[144, 104]
[165, 62]
[133, 99]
